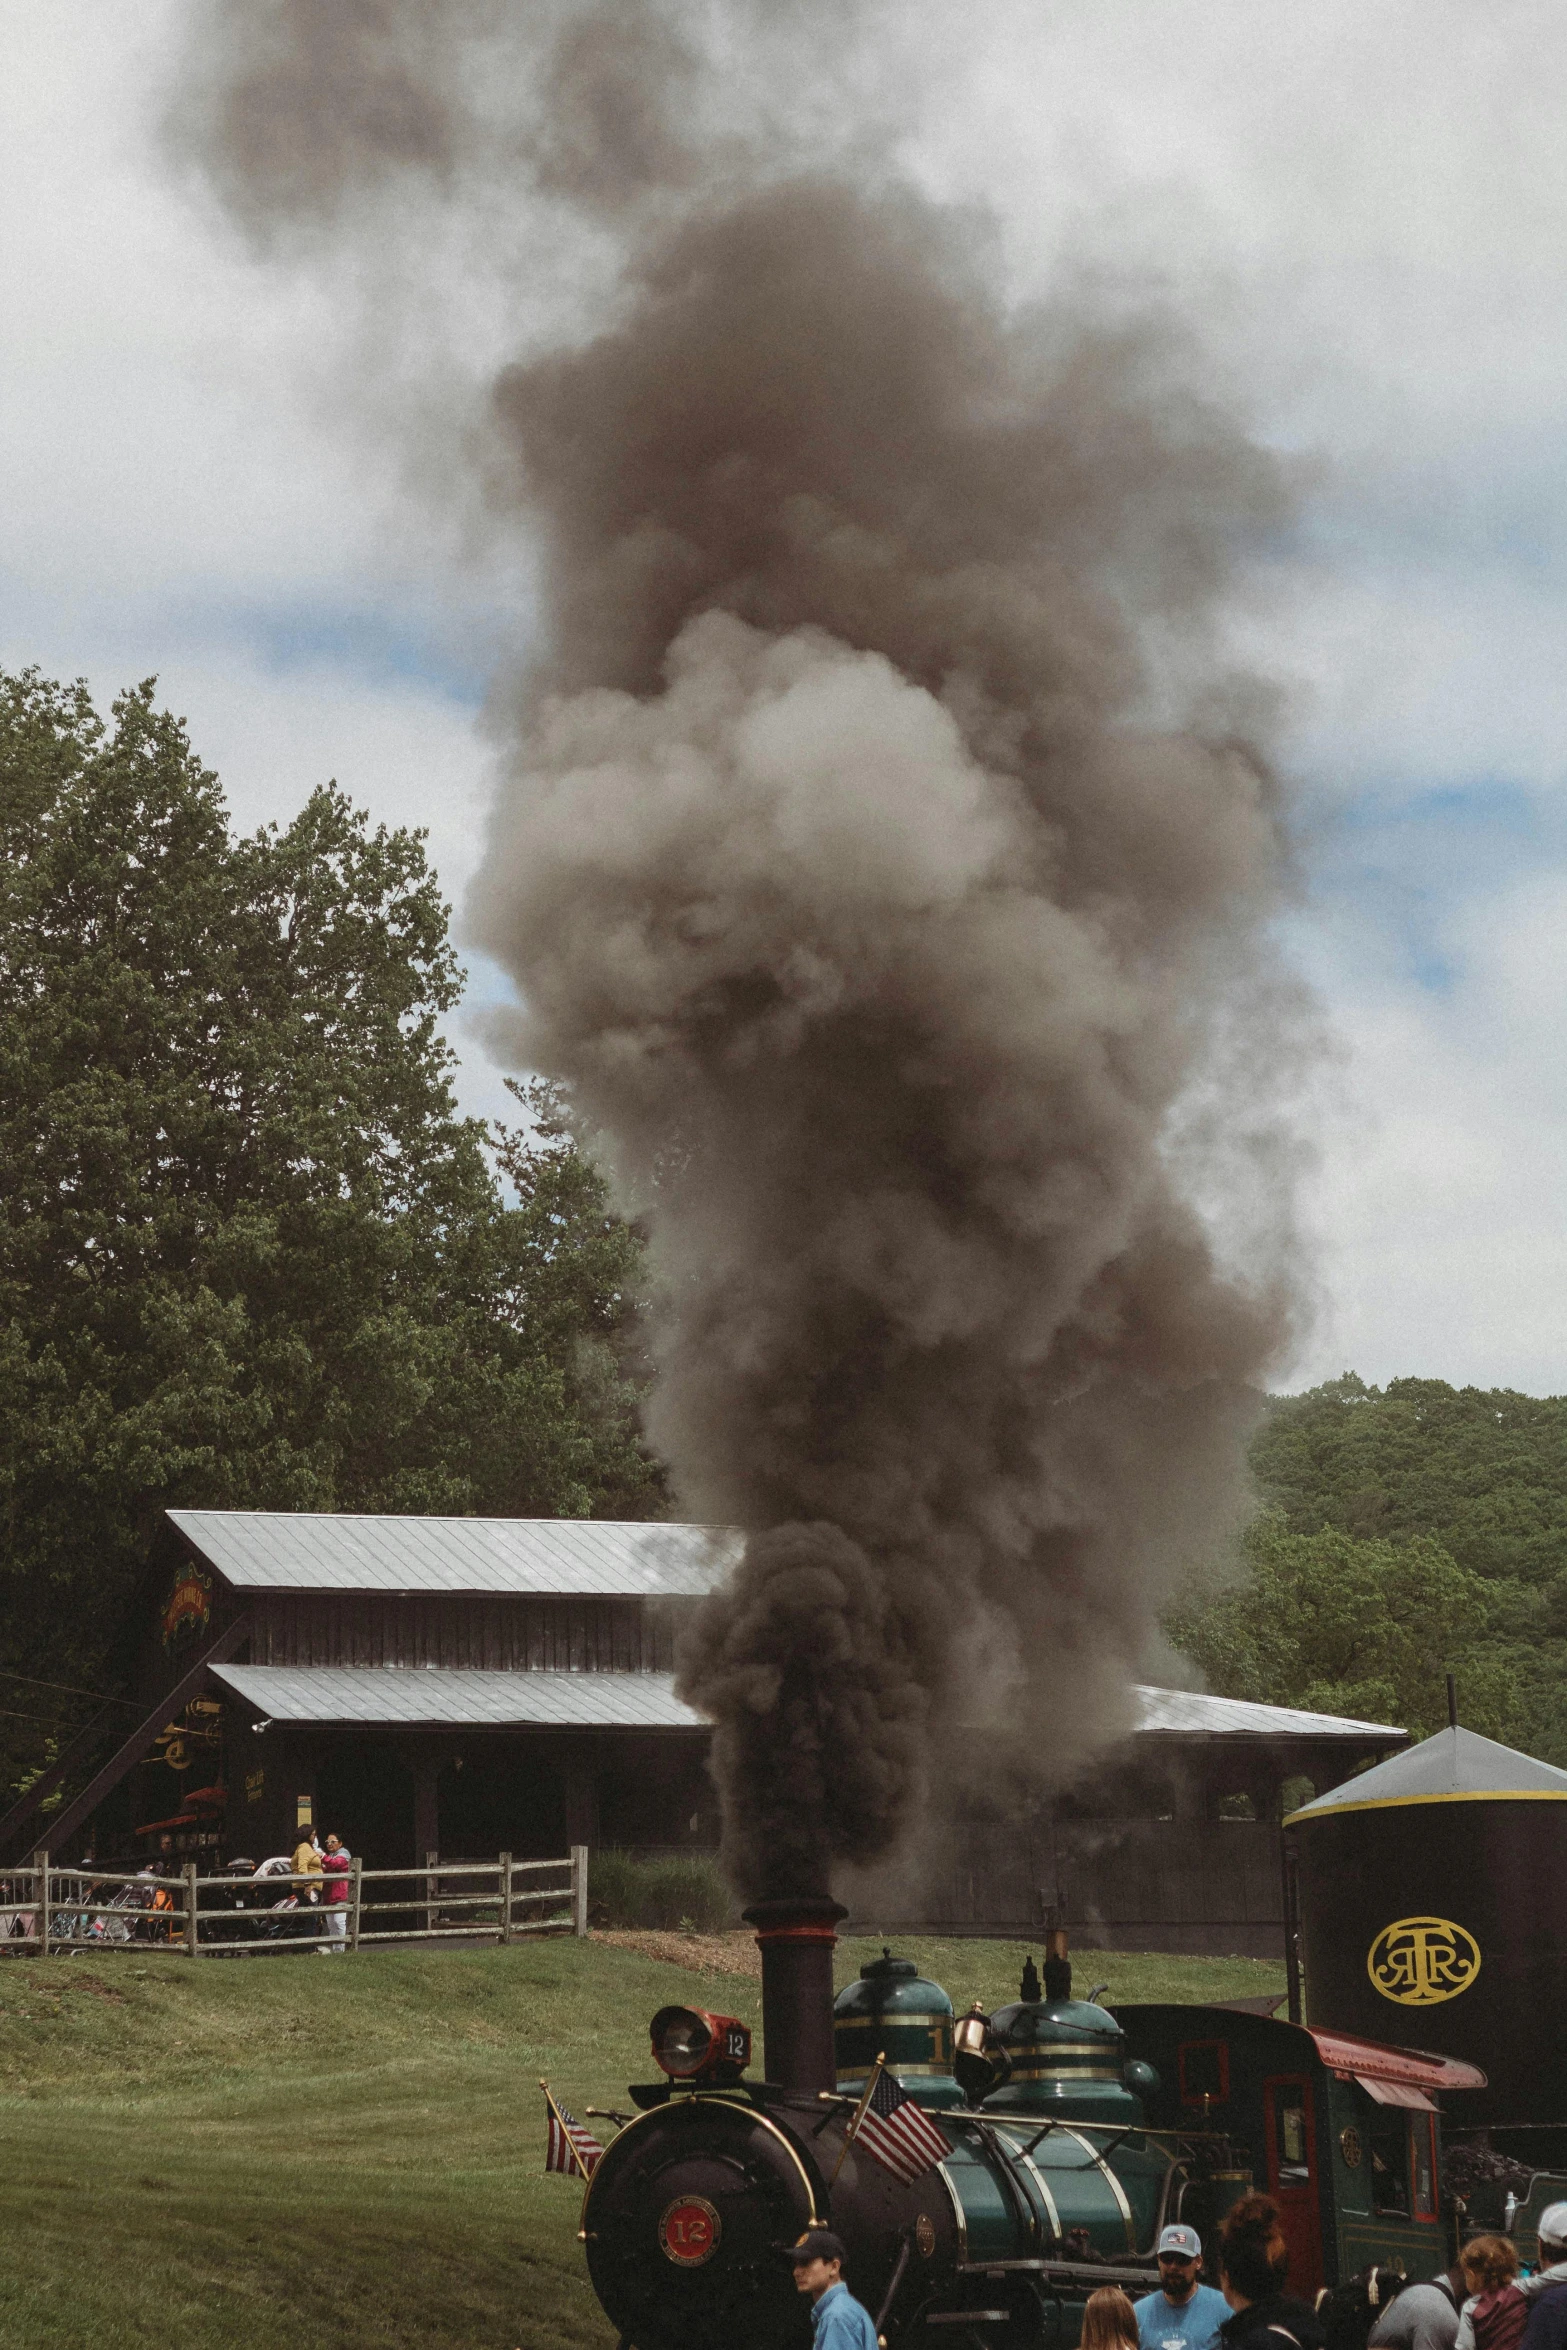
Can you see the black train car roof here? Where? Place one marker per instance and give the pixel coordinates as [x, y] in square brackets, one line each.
[1344, 2053]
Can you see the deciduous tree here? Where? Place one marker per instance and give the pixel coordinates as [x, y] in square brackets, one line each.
[250, 1255]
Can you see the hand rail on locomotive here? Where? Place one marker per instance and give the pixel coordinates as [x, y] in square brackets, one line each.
[1114, 2132]
[1176, 2142]
[1092, 2272]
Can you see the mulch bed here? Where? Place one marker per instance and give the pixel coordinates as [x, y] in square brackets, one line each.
[699, 1954]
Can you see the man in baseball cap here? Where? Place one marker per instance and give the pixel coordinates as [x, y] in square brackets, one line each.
[1546, 2290]
[1183, 2314]
[838, 2321]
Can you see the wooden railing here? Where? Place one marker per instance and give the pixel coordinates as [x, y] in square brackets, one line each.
[44, 1908]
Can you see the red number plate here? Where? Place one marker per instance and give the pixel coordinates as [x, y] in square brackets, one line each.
[689, 2231]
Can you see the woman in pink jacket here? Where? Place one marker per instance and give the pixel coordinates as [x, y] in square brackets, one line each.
[334, 1894]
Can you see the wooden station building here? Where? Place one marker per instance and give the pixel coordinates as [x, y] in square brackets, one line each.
[465, 1686]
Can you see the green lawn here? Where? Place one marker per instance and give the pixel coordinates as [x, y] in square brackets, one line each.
[202, 2154]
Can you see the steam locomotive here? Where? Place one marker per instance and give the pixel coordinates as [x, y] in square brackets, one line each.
[1076, 2133]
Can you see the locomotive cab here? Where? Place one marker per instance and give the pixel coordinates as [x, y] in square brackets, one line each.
[1341, 2132]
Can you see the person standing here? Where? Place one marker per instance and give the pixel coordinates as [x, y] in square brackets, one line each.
[1184, 2314]
[838, 2321]
[1109, 2321]
[334, 1894]
[1424, 2316]
[305, 1867]
[1546, 2290]
[1254, 2269]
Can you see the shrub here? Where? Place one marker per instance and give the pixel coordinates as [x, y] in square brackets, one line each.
[670, 1890]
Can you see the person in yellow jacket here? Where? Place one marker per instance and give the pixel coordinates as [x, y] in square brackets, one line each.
[307, 1863]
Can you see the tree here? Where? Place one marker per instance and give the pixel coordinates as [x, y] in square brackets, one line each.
[1482, 1473]
[1342, 1626]
[578, 1282]
[1482, 1470]
[250, 1255]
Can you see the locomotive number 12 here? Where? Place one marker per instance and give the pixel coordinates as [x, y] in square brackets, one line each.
[689, 2230]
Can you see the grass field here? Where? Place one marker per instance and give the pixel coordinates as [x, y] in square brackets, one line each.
[199, 2155]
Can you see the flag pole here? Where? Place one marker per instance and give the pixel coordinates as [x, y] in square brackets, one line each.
[578, 2166]
[549, 2099]
[859, 2116]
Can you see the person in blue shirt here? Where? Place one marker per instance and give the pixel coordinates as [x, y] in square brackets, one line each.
[838, 2321]
[1182, 2315]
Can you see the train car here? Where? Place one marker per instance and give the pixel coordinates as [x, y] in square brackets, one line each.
[1074, 2135]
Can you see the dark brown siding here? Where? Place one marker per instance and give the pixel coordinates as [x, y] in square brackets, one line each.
[497, 1635]
[1119, 1884]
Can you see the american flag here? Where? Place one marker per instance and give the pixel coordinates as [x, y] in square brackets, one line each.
[569, 2147]
[899, 2133]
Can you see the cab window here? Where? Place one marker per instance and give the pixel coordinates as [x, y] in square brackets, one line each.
[1291, 2138]
[1389, 2144]
[1205, 2072]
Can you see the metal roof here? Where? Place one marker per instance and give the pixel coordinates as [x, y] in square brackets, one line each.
[578, 1558]
[421, 1697]
[1190, 1713]
[1456, 1766]
[452, 1696]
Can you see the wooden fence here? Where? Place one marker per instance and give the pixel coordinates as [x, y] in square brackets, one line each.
[46, 1909]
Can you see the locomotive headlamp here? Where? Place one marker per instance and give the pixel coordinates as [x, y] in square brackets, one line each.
[691, 2045]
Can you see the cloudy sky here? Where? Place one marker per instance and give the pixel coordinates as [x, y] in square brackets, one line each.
[1361, 204]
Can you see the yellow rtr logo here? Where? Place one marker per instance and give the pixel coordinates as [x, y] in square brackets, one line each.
[1419, 1961]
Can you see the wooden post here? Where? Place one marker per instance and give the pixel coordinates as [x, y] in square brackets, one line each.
[579, 1891]
[1291, 1888]
[505, 1896]
[354, 1896]
[41, 1862]
[430, 1860]
[190, 1908]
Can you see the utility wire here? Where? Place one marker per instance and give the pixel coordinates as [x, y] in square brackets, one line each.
[63, 1688]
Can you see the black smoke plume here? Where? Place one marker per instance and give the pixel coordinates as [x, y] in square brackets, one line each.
[882, 857]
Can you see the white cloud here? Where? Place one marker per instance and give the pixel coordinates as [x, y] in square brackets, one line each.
[1440, 1215]
[1363, 203]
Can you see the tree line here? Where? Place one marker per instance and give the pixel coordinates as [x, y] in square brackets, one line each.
[1404, 1533]
[251, 1256]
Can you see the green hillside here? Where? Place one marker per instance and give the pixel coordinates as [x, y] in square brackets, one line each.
[217, 2155]
[1406, 1533]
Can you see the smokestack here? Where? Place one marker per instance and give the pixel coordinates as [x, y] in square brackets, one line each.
[796, 1939]
[1058, 1966]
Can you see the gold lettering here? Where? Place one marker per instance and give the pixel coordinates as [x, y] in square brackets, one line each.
[1419, 1961]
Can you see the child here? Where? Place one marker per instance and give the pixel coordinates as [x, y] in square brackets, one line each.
[1496, 2314]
